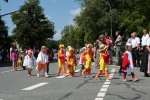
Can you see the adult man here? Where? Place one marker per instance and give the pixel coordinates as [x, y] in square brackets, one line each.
[118, 44]
[135, 41]
[144, 63]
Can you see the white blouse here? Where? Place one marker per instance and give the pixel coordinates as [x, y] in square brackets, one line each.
[29, 62]
[42, 57]
[148, 42]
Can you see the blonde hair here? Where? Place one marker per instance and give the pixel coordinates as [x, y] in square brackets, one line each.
[43, 47]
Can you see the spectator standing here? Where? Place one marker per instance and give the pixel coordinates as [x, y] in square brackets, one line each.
[118, 44]
[135, 41]
[145, 48]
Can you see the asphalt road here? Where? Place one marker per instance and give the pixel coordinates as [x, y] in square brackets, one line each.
[16, 85]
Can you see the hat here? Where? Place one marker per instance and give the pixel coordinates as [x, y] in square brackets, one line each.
[68, 47]
[102, 47]
[89, 45]
[61, 46]
[84, 48]
[30, 51]
[71, 49]
[128, 44]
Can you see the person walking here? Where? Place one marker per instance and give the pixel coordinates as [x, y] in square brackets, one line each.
[98, 42]
[145, 48]
[14, 55]
[118, 44]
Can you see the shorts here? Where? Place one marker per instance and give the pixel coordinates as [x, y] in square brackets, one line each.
[42, 66]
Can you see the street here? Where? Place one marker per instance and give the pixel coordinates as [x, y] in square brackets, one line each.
[16, 85]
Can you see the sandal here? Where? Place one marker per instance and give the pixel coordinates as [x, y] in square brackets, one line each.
[46, 76]
[135, 79]
[108, 78]
[125, 80]
[38, 75]
[97, 78]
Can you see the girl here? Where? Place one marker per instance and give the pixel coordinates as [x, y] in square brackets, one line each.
[104, 59]
[61, 60]
[127, 63]
[29, 62]
[87, 58]
[42, 61]
[72, 62]
[14, 55]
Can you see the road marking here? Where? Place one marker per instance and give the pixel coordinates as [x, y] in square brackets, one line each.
[103, 90]
[10, 70]
[107, 83]
[76, 71]
[35, 86]
[60, 76]
[98, 98]
[100, 94]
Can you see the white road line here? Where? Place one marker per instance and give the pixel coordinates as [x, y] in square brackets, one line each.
[98, 98]
[76, 71]
[10, 70]
[60, 76]
[35, 86]
[107, 83]
[100, 94]
[103, 90]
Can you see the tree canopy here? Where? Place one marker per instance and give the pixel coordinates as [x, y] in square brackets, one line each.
[32, 26]
[95, 18]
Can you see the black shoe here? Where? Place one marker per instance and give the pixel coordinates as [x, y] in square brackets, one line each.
[146, 75]
[119, 73]
[24, 68]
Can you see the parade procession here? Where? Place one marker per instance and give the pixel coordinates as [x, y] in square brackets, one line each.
[74, 50]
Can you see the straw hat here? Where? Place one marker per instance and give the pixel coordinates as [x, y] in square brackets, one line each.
[102, 47]
[128, 44]
[61, 46]
[71, 49]
[89, 45]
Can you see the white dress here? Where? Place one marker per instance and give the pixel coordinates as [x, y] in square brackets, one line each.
[131, 66]
[29, 62]
[42, 57]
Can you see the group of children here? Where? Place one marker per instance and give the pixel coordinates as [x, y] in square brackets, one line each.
[86, 60]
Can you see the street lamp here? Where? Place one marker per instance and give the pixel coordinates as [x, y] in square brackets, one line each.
[111, 16]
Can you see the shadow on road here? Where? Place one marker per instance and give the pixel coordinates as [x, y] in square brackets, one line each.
[5, 64]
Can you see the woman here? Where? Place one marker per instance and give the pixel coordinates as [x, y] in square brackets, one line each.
[14, 56]
[98, 42]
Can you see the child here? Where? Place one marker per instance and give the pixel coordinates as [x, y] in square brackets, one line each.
[72, 62]
[29, 62]
[87, 58]
[42, 61]
[61, 60]
[127, 63]
[80, 61]
[104, 59]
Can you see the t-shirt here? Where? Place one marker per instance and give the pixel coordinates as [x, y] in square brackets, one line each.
[108, 44]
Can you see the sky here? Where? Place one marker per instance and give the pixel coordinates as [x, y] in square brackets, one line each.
[61, 12]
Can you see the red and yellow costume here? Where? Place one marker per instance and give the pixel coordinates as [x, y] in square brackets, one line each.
[87, 58]
[72, 62]
[104, 59]
[61, 60]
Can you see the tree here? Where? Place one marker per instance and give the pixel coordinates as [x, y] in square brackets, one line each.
[95, 18]
[32, 27]
[65, 35]
[3, 34]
